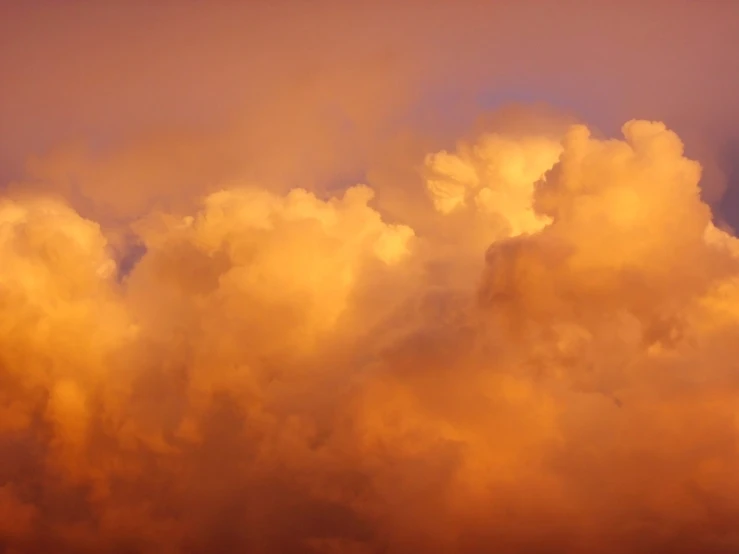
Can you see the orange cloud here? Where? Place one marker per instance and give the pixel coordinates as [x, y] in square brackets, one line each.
[290, 373]
[213, 339]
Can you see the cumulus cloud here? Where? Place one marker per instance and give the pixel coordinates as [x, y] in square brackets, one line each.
[497, 175]
[538, 358]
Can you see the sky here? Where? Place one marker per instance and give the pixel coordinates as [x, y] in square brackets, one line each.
[357, 278]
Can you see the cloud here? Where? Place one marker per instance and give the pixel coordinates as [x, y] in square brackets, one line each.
[542, 365]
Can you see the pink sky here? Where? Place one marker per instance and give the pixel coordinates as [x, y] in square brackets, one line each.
[105, 71]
